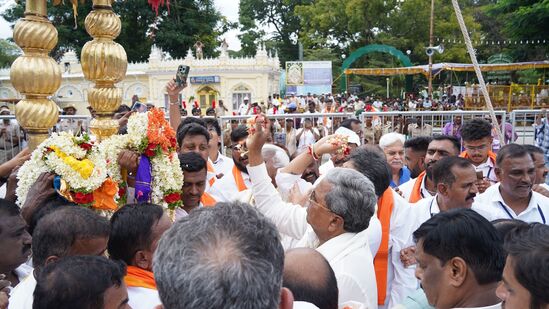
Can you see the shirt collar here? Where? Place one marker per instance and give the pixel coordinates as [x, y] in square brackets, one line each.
[333, 247]
[497, 198]
[219, 158]
[488, 163]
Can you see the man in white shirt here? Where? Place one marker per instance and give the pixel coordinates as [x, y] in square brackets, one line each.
[337, 160]
[392, 212]
[423, 186]
[221, 164]
[236, 183]
[193, 192]
[306, 136]
[524, 283]
[340, 208]
[66, 231]
[512, 197]
[135, 230]
[477, 141]
[460, 260]
[15, 244]
[245, 107]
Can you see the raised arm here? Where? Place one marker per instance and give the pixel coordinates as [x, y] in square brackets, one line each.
[175, 106]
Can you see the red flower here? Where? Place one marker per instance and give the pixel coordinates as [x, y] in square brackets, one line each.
[83, 198]
[172, 197]
[173, 142]
[150, 151]
[121, 191]
[85, 146]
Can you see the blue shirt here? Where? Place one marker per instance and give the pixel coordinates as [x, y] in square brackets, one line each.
[403, 177]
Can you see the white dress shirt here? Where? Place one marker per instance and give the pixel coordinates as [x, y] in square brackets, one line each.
[488, 170]
[143, 298]
[225, 189]
[492, 202]
[22, 296]
[349, 253]
[223, 165]
[401, 281]
[23, 271]
[306, 139]
[407, 188]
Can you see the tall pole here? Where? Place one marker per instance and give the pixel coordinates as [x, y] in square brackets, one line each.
[431, 26]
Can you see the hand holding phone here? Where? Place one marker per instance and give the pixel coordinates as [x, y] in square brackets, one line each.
[181, 75]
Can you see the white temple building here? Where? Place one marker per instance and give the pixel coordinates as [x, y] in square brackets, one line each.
[225, 78]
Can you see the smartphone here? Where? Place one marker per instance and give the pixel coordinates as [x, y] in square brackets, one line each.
[480, 176]
[181, 75]
[139, 107]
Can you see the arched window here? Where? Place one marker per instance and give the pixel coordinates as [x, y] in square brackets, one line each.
[239, 93]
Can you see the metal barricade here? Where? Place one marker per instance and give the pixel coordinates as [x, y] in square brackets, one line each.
[523, 122]
[13, 138]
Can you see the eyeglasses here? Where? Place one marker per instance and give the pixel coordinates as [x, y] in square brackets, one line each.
[312, 198]
[476, 148]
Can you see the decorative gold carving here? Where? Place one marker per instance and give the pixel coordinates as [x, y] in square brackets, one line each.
[105, 63]
[35, 74]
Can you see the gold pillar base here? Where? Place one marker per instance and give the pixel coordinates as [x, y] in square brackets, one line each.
[103, 128]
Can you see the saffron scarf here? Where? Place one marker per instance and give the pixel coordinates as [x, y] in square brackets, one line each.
[416, 190]
[240, 185]
[139, 278]
[491, 155]
[385, 208]
[210, 169]
[207, 200]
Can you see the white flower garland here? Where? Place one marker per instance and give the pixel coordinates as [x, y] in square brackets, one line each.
[43, 159]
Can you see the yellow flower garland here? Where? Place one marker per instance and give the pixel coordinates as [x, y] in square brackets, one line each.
[82, 167]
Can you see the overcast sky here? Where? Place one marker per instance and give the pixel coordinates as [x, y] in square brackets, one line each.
[228, 8]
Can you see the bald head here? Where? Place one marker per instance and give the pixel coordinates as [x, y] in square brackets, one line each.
[310, 278]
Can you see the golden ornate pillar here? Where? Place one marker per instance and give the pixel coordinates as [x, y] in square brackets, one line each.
[35, 74]
[104, 62]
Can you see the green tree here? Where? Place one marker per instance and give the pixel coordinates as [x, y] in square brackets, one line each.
[175, 32]
[278, 15]
[8, 52]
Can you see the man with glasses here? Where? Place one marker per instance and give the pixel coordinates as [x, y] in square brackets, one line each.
[231, 186]
[334, 222]
[477, 141]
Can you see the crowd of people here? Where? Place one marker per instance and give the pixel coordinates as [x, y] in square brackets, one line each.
[353, 217]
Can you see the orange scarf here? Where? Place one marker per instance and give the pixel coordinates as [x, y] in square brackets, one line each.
[207, 200]
[238, 179]
[139, 278]
[210, 169]
[416, 190]
[384, 209]
[491, 155]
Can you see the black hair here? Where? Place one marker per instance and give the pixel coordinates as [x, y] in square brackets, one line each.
[8, 209]
[466, 234]
[188, 120]
[511, 151]
[476, 129]
[442, 169]
[371, 162]
[123, 108]
[504, 226]
[418, 144]
[450, 138]
[192, 129]
[323, 294]
[239, 133]
[533, 149]
[529, 248]
[76, 282]
[348, 122]
[52, 203]
[56, 232]
[212, 122]
[191, 162]
[210, 109]
[131, 230]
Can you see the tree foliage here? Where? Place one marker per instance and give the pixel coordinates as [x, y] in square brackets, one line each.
[175, 32]
[8, 52]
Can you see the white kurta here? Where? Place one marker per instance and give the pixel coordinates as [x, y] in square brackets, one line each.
[143, 298]
[225, 189]
[349, 254]
[22, 295]
[407, 188]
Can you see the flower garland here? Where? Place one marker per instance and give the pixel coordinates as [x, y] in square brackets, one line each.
[151, 136]
[80, 166]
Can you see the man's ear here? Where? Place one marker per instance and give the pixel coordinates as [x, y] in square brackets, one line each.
[51, 259]
[498, 172]
[142, 259]
[457, 271]
[286, 299]
[442, 188]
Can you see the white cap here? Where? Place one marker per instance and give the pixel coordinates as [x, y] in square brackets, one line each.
[352, 137]
[246, 98]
